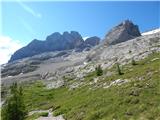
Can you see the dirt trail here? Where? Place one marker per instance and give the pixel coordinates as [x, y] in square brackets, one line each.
[49, 117]
[60, 117]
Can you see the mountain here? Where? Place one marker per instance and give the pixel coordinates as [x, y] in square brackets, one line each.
[73, 40]
[57, 78]
[121, 33]
[71, 60]
[55, 42]
[92, 41]
[88, 43]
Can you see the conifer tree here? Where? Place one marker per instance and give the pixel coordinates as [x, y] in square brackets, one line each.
[99, 70]
[14, 108]
[133, 62]
[118, 69]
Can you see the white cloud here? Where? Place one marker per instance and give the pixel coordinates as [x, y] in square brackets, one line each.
[7, 47]
[29, 9]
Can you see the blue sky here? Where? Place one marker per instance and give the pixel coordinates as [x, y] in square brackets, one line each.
[21, 22]
[25, 21]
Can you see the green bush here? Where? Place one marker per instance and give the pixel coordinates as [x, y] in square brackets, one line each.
[99, 70]
[44, 114]
[119, 70]
[133, 62]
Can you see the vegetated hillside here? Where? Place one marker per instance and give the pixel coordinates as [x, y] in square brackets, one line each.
[135, 95]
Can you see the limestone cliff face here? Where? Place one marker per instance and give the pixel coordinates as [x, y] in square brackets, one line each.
[55, 42]
[121, 33]
[92, 41]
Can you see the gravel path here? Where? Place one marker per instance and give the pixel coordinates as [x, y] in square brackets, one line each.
[49, 117]
[60, 117]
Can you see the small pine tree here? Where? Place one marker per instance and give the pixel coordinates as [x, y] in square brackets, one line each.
[14, 108]
[99, 70]
[133, 62]
[119, 70]
[130, 51]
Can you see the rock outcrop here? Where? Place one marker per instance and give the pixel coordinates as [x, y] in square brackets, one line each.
[55, 42]
[121, 33]
[88, 44]
[93, 41]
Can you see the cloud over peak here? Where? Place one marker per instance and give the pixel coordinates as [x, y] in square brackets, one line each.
[7, 47]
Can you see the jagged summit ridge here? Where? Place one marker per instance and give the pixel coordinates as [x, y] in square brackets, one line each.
[126, 30]
[55, 42]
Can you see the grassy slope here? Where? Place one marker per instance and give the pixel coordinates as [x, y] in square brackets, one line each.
[138, 99]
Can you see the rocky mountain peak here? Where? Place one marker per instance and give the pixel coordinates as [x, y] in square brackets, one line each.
[53, 36]
[127, 22]
[76, 34]
[126, 30]
[66, 33]
[93, 40]
[54, 42]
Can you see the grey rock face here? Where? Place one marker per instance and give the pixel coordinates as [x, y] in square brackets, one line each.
[93, 41]
[121, 33]
[30, 64]
[48, 66]
[55, 42]
[88, 44]
[138, 48]
[19, 68]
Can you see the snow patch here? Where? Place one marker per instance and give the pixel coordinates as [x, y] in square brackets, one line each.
[151, 32]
